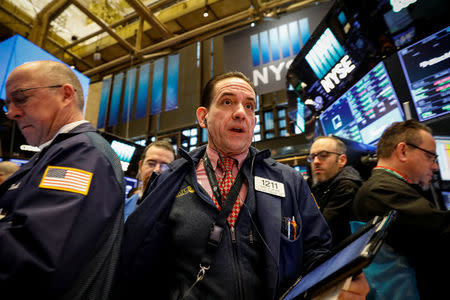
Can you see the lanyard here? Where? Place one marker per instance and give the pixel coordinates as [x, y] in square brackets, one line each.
[213, 181]
[393, 172]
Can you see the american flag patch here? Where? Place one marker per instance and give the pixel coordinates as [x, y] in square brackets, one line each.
[66, 179]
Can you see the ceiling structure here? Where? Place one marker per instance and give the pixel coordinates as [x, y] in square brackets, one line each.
[99, 37]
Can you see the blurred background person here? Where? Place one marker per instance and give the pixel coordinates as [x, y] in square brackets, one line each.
[154, 158]
[334, 184]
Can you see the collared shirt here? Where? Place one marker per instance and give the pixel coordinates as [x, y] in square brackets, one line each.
[66, 128]
[202, 178]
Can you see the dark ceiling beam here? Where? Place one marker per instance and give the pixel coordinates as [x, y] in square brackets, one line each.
[257, 7]
[217, 25]
[129, 18]
[43, 18]
[148, 16]
[51, 40]
[105, 26]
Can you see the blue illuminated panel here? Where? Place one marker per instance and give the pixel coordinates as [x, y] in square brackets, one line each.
[284, 40]
[172, 82]
[106, 88]
[141, 106]
[279, 42]
[365, 110]
[254, 43]
[294, 37]
[157, 87]
[304, 30]
[115, 100]
[274, 44]
[128, 97]
[264, 39]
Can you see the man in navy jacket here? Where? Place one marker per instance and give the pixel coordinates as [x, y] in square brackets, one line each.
[61, 236]
[274, 233]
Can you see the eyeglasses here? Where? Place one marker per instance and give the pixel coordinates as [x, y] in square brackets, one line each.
[322, 155]
[433, 155]
[19, 100]
[153, 164]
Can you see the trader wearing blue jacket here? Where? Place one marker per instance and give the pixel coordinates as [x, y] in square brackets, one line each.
[175, 245]
[62, 231]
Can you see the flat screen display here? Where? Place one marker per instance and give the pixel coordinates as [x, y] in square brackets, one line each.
[124, 152]
[443, 152]
[426, 65]
[302, 170]
[129, 184]
[363, 112]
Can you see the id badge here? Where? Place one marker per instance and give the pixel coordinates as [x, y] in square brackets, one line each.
[269, 186]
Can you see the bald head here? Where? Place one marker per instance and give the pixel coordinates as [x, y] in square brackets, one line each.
[42, 97]
[50, 72]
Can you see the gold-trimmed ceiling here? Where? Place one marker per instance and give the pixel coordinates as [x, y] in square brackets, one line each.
[101, 36]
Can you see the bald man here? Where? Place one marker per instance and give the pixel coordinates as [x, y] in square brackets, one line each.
[64, 209]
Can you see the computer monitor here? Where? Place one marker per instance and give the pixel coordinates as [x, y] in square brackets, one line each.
[365, 110]
[129, 184]
[303, 170]
[426, 65]
[443, 152]
[124, 152]
[18, 162]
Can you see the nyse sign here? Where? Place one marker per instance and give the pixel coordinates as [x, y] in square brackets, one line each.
[344, 67]
[270, 73]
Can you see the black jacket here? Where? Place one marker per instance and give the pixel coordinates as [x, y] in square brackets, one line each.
[335, 199]
[421, 231]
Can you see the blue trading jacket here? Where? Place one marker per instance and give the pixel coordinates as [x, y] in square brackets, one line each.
[144, 257]
[59, 244]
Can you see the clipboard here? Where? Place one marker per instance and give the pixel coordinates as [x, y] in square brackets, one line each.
[347, 259]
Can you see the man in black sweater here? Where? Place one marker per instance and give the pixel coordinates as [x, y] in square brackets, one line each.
[406, 162]
[334, 184]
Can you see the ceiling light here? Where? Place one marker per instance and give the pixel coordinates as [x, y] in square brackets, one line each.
[252, 24]
[205, 14]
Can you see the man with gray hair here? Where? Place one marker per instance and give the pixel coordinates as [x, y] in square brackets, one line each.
[61, 236]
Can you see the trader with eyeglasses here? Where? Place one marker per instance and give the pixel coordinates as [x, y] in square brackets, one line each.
[406, 161]
[334, 184]
[62, 232]
[154, 158]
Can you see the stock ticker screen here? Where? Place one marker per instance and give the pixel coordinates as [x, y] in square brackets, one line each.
[426, 65]
[363, 112]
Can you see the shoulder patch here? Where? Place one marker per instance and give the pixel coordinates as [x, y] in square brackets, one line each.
[66, 179]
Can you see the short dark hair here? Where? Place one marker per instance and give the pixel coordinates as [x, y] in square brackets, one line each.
[209, 87]
[161, 144]
[340, 146]
[398, 132]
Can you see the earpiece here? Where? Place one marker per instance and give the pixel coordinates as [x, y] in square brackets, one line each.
[204, 122]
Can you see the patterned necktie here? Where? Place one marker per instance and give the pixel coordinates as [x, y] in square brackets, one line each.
[225, 184]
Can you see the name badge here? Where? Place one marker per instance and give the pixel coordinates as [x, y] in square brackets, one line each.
[269, 186]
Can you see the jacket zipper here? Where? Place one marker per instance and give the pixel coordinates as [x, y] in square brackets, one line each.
[236, 262]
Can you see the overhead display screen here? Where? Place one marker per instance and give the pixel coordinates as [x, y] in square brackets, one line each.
[365, 110]
[426, 65]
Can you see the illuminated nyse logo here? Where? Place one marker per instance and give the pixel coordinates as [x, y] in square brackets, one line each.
[328, 60]
[270, 46]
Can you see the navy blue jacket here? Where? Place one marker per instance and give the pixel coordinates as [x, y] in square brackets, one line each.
[146, 235]
[58, 244]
